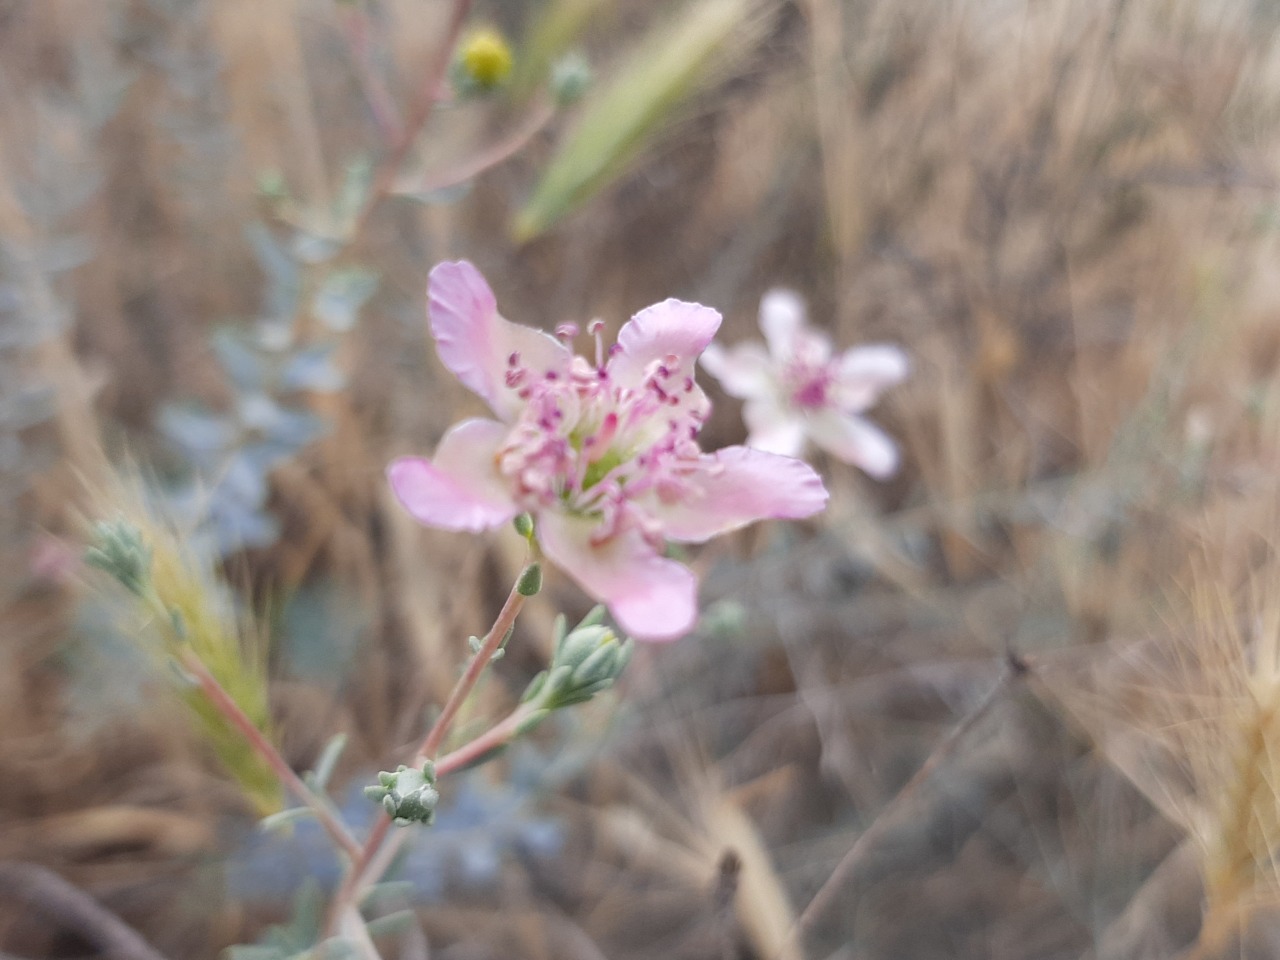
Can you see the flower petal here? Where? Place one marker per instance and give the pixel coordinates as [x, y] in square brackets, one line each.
[856, 441]
[773, 428]
[651, 597]
[461, 488]
[864, 372]
[656, 334]
[476, 343]
[782, 317]
[741, 486]
[744, 370]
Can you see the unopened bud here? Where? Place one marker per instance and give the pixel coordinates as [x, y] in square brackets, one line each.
[524, 525]
[570, 79]
[530, 581]
[118, 548]
[484, 62]
[408, 795]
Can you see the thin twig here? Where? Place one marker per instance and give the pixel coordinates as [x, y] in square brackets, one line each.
[226, 705]
[498, 736]
[1016, 670]
[385, 177]
[381, 104]
[376, 855]
[61, 900]
[492, 156]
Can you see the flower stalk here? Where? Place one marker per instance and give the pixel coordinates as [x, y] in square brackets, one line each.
[226, 705]
[376, 853]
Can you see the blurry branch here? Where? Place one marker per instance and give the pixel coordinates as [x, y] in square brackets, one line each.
[1016, 669]
[226, 705]
[385, 177]
[375, 857]
[56, 898]
[385, 113]
[486, 159]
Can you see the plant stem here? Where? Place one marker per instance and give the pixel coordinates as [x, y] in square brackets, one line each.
[382, 106]
[385, 177]
[493, 155]
[498, 736]
[375, 855]
[230, 710]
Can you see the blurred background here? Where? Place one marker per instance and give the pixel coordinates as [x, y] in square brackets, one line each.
[216, 222]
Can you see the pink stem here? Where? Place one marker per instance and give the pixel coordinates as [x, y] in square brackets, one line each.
[494, 155]
[385, 177]
[369, 865]
[383, 107]
[230, 710]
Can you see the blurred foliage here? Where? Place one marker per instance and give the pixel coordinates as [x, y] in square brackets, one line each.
[662, 72]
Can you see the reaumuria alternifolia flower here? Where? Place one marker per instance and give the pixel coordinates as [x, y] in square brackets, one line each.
[798, 390]
[602, 452]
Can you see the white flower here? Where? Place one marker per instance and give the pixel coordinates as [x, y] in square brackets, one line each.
[798, 389]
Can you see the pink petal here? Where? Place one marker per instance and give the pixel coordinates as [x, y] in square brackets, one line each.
[773, 428]
[742, 486]
[461, 488]
[864, 372]
[856, 441]
[782, 317]
[744, 370]
[671, 328]
[651, 597]
[476, 343]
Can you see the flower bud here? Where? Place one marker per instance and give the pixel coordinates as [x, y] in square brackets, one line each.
[118, 548]
[524, 525]
[581, 644]
[408, 795]
[483, 63]
[530, 581]
[570, 79]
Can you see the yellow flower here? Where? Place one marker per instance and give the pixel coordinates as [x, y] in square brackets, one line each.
[485, 58]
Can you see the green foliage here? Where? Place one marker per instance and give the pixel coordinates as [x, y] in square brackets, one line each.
[664, 70]
[587, 660]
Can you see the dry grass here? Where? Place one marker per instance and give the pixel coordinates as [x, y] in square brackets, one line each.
[1063, 210]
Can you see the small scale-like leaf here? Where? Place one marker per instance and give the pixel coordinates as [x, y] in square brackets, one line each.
[198, 432]
[312, 369]
[342, 295]
[281, 269]
[242, 363]
[328, 760]
[284, 818]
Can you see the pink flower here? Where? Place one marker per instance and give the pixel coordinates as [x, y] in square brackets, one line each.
[797, 389]
[603, 453]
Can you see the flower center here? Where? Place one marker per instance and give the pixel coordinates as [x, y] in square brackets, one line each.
[589, 445]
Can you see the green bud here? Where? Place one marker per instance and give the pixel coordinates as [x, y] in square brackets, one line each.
[594, 616]
[598, 666]
[559, 630]
[530, 581]
[117, 547]
[524, 525]
[534, 688]
[409, 795]
[556, 684]
[581, 644]
[570, 79]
